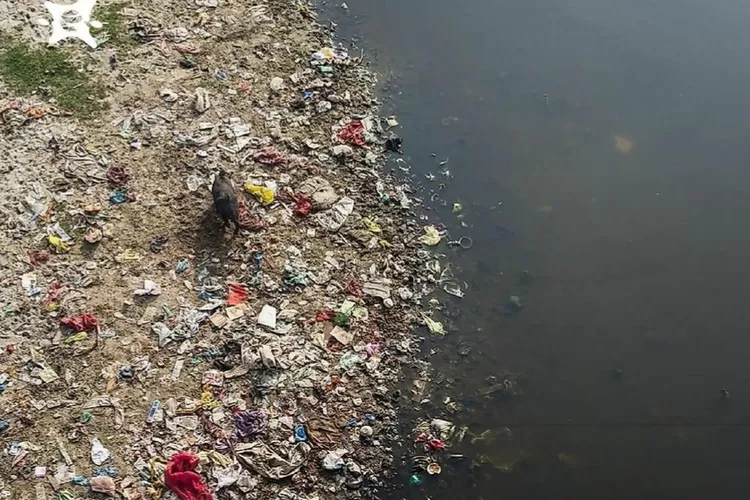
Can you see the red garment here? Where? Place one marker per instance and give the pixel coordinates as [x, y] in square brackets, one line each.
[237, 294]
[354, 288]
[81, 323]
[116, 175]
[181, 478]
[270, 156]
[434, 444]
[303, 204]
[325, 316]
[353, 133]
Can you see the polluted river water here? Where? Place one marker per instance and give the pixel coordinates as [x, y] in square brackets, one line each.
[598, 151]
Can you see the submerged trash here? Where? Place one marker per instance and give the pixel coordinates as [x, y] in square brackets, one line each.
[513, 305]
[435, 327]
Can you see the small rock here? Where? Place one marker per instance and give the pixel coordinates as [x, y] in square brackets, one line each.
[366, 431]
[202, 100]
[277, 84]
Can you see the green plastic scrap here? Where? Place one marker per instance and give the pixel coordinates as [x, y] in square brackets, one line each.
[86, 417]
[436, 327]
[348, 360]
[341, 319]
[76, 338]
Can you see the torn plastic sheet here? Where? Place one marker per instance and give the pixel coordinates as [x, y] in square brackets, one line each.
[260, 458]
[105, 401]
[334, 218]
[436, 327]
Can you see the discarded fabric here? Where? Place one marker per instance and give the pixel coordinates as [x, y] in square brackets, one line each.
[180, 477]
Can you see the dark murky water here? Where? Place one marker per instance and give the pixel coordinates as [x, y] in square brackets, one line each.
[639, 254]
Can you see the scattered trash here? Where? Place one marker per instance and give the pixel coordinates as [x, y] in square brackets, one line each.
[434, 468]
[246, 355]
[454, 289]
[153, 412]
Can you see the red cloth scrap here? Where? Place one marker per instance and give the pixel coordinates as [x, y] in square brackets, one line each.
[181, 478]
[82, 323]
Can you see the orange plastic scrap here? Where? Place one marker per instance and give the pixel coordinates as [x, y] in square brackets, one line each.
[36, 112]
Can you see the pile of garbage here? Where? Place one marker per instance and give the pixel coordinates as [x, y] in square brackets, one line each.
[147, 351]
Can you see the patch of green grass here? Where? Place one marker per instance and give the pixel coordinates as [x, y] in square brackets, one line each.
[115, 24]
[26, 69]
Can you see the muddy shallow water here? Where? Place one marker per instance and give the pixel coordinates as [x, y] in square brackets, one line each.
[600, 146]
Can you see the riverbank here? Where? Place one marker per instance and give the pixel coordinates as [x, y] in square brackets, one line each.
[134, 326]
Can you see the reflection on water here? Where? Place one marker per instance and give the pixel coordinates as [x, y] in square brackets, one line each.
[598, 151]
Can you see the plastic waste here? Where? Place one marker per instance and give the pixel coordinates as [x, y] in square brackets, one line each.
[258, 457]
[299, 433]
[321, 194]
[353, 133]
[265, 195]
[431, 236]
[103, 484]
[334, 218]
[99, 454]
[152, 412]
[513, 304]
[349, 360]
[434, 468]
[371, 226]
[333, 460]
[454, 289]
[58, 243]
[435, 327]
[249, 423]
[267, 317]
[237, 294]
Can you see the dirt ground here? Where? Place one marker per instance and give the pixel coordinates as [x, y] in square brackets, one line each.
[133, 178]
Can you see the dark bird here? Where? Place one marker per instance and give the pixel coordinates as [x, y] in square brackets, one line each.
[225, 200]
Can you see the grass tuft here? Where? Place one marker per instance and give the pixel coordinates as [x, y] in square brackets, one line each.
[28, 70]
